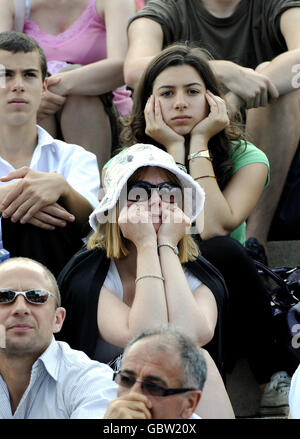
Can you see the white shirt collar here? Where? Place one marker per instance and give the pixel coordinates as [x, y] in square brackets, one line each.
[44, 138]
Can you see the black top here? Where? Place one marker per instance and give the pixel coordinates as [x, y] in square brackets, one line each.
[80, 283]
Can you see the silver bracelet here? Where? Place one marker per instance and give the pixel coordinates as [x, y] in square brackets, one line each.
[173, 247]
[182, 167]
[149, 275]
[203, 153]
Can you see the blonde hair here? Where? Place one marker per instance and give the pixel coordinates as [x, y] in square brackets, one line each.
[19, 260]
[109, 236]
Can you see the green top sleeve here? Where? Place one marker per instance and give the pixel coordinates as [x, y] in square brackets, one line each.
[243, 155]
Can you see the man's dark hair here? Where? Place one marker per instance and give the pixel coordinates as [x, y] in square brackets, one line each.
[16, 42]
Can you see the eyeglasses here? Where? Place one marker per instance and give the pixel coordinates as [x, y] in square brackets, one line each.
[147, 387]
[36, 297]
[142, 191]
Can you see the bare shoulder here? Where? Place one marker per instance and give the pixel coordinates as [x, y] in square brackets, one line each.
[6, 15]
[127, 6]
[100, 7]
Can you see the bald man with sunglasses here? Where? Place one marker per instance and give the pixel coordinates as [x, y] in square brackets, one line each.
[162, 376]
[41, 378]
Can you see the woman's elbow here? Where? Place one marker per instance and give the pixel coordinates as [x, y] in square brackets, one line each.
[216, 231]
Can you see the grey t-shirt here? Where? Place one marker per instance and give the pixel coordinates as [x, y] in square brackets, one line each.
[250, 36]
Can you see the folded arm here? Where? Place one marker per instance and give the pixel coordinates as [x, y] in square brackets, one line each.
[107, 74]
[282, 69]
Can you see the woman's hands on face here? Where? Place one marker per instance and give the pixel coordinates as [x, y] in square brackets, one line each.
[136, 225]
[157, 129]
[174, 224]
[216, 120]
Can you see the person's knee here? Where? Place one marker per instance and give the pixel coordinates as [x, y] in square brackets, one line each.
[262, 66]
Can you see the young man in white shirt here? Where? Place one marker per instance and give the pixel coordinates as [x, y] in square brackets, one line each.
[48, 187]
[41, 378]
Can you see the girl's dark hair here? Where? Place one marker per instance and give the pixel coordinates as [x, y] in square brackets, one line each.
[220, 146]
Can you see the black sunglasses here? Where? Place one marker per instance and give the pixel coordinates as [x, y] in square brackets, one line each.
[147, 387]
[142, 191]
[36, 297]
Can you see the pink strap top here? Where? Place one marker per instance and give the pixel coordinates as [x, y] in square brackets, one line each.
[84, 42]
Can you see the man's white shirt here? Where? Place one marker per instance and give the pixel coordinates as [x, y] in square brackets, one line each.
[64, 384]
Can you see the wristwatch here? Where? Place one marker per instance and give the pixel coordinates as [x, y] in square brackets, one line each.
[173, 247]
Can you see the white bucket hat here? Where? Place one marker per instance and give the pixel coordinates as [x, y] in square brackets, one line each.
[123, 165]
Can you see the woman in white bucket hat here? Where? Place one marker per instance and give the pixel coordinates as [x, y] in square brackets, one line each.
[142, 267]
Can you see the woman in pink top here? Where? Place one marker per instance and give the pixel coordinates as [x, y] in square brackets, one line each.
[86, 38]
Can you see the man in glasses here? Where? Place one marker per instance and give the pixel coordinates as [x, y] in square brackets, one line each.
[255, 45]
[40, 377]
[161, 377]
[48, 188]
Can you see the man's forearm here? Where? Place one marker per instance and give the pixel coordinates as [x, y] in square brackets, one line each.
[93, 79]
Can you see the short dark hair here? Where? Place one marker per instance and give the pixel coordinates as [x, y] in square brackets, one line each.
[16, 42]
[194, 367]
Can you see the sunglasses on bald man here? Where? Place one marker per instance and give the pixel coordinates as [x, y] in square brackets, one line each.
[34, 296]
